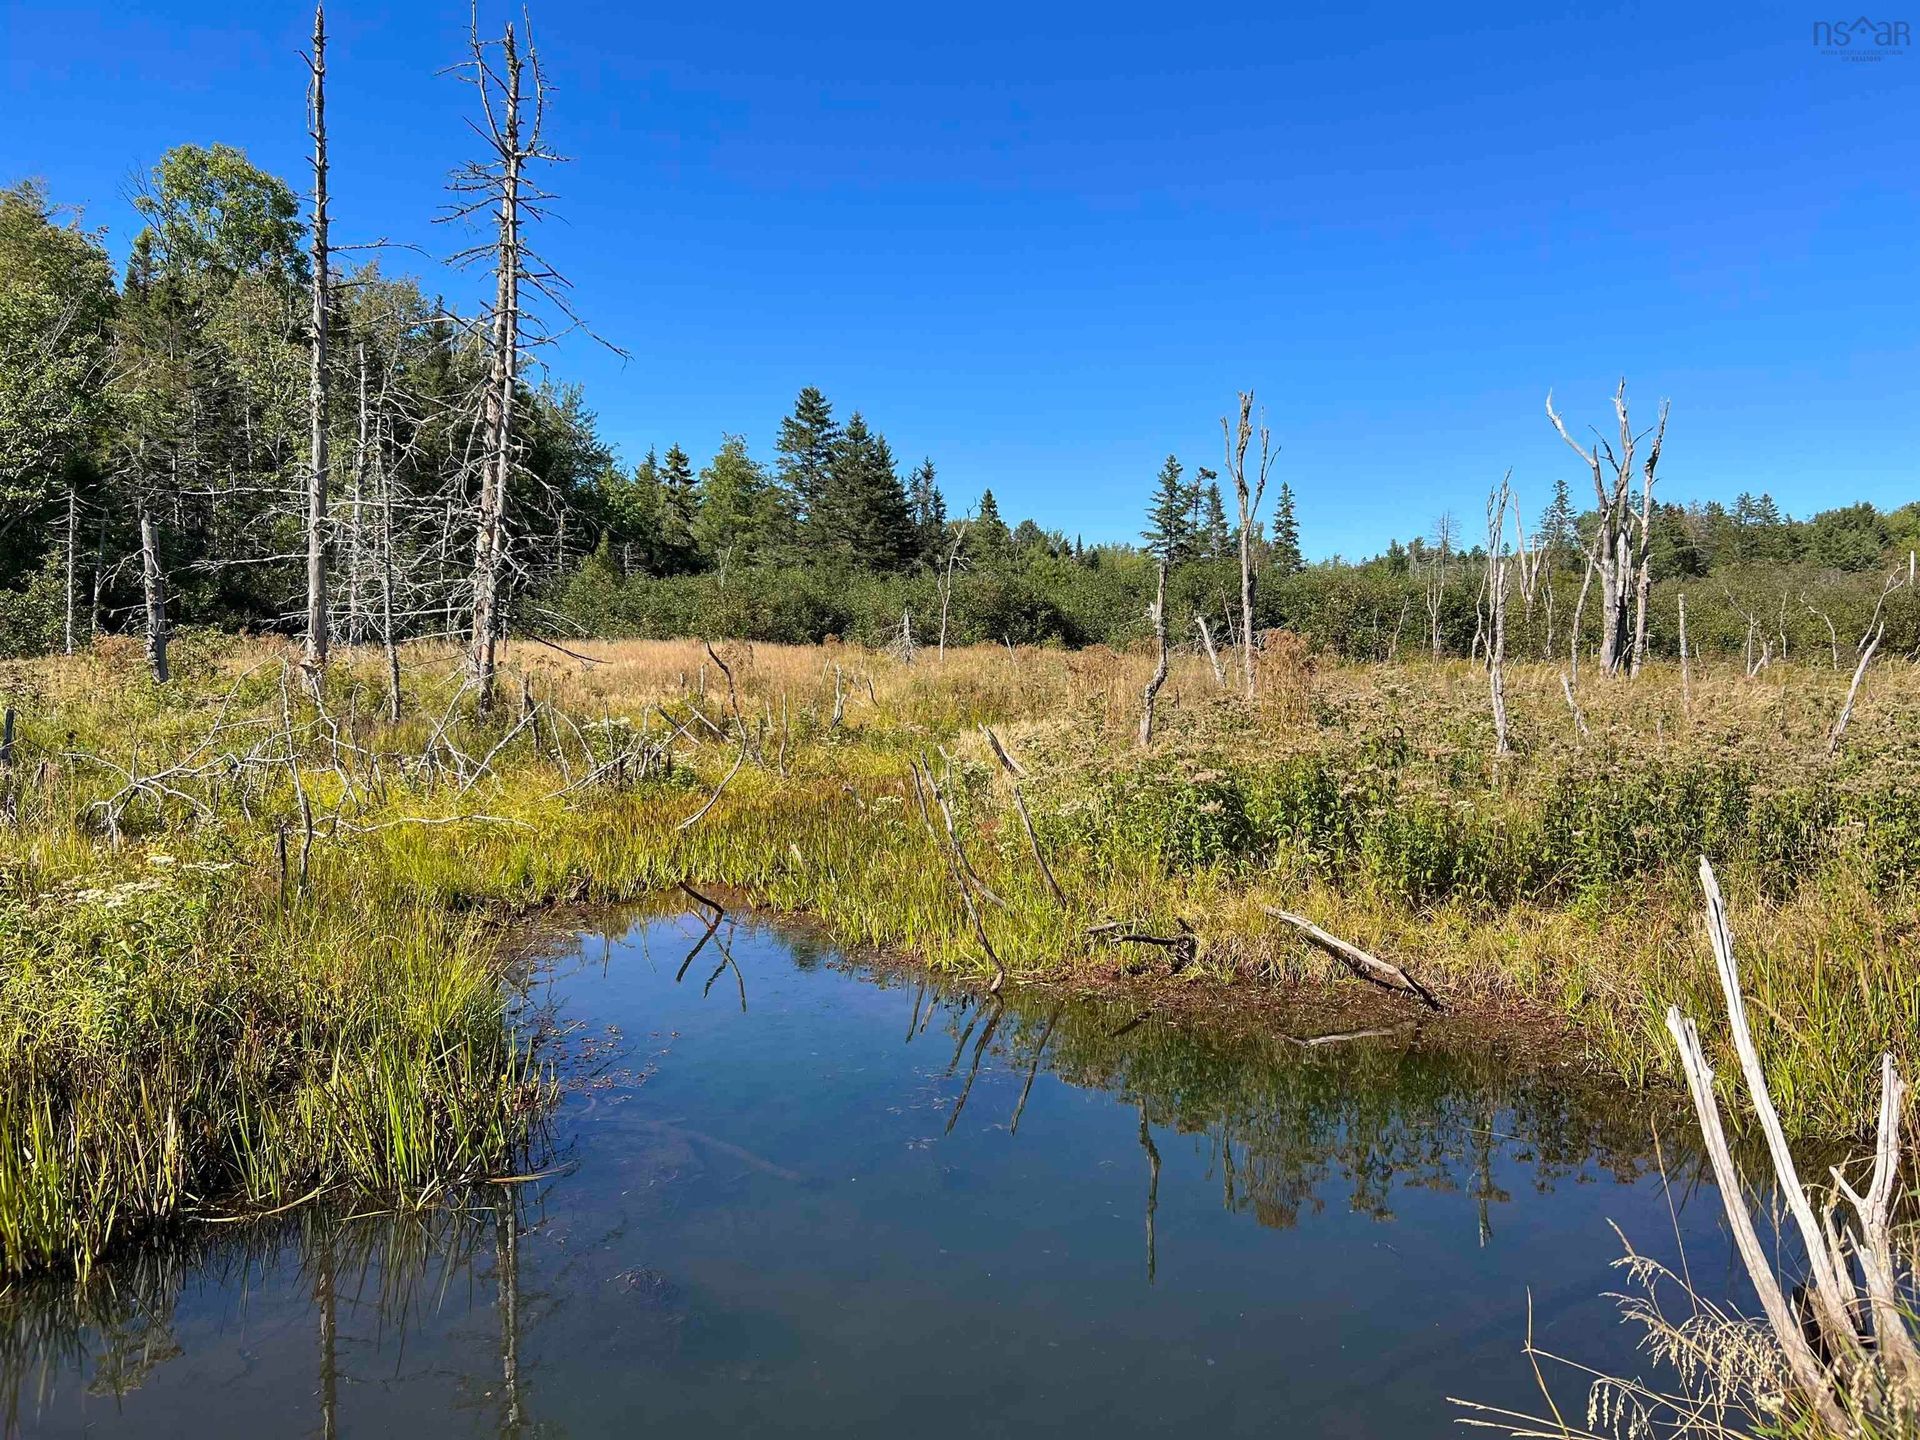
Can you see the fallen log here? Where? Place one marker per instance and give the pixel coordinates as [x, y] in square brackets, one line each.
[1370, 968]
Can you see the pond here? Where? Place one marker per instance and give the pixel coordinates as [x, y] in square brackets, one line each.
[793, 1195]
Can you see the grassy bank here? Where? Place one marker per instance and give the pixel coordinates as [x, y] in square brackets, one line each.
[251, 942]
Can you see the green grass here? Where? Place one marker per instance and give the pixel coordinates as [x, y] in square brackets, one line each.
[197, 1026]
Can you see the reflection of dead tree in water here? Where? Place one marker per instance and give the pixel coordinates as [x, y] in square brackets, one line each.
[329, 1369]
[979, 1050]
[506, 1274]
[1033, 1070]
[1153, 1185]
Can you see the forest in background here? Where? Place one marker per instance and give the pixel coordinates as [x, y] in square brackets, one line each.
[156, 456]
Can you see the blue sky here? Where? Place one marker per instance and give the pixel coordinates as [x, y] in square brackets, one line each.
[1045, 245]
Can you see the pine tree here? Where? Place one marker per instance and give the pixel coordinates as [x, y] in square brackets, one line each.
[929, 510]
[1169, 532]
[1286, 534]
[805, 447]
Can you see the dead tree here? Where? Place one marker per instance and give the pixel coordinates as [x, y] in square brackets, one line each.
[153, 585]
[1498, 502]
[73, 533]
[1434, 592]
[1621, 539]
[499, 182]
[316, 644]
[1247, 495]
[946, 582]
[1158, 615]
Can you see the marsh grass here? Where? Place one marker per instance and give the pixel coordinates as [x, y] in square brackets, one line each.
[255, 946]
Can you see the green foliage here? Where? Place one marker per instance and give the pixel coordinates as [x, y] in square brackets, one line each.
[56, 305]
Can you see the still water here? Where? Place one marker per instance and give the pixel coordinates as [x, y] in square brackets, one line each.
[794, 1196]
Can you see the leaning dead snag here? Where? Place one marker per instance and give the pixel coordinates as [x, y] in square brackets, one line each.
[957, 866]
[1370, 968]
[1839, 730]
[1013, 769]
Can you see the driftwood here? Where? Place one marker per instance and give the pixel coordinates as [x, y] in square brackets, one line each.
[1370, 968]
[1185, 946]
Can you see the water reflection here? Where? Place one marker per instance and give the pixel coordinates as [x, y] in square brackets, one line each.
[796, 1201]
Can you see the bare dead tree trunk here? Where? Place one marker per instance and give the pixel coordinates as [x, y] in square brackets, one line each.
[1497, 504]
[356, 535]
[1213, 655]
[1158, 614]
[389, 642]
[501, 184]
[97, 599]
[946, 583]
[316, 646]
[1579, 606]
[154, 588]
[1612, 552]
[73, 535]
[1247, 495]
[1853, 691]
[1686, 672]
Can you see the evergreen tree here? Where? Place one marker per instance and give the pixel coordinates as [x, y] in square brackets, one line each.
[679, 504]
[988, 539]
[1216, 536]
[1286, 534]
[1169, 532]
[929, 511]
[805, 448]
[862, 512]
[1557, 533]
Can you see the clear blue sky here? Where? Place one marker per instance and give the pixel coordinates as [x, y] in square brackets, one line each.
[1045, 245]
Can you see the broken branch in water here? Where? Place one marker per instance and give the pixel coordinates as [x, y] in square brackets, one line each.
[713, 924]
[1370, 968]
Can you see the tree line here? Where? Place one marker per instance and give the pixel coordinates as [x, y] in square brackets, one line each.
[241, 431]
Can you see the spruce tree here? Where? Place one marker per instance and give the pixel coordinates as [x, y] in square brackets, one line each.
[1169, 532]
[862, 512]
[1286, 534]
[929, 511]
[1558, 534]
[1215, 537]
[678, 507]
[805, 448]
[989, 539]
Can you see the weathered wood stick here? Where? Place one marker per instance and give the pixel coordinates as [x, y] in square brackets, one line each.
[1370, 968]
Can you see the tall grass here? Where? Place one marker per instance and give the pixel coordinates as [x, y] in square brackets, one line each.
[252, 945]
